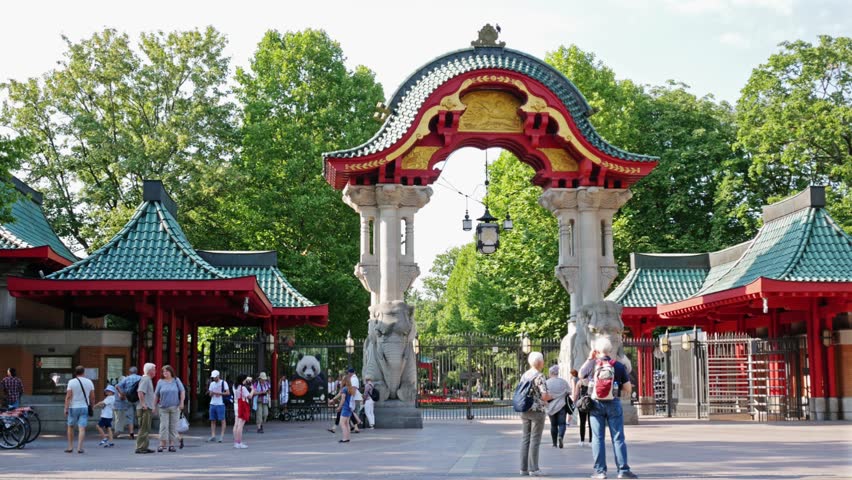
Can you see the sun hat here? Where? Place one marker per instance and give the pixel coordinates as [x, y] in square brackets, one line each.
[262, 376]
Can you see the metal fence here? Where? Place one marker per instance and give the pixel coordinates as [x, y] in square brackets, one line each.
[472, 376]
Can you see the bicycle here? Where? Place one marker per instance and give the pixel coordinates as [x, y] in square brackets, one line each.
[14, 431]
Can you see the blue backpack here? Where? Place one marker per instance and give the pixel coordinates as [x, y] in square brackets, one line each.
[522, 399]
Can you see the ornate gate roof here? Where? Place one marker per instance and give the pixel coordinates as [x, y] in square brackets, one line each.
[421, 126]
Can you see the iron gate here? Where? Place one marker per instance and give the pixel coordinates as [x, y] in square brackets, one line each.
[472, 376]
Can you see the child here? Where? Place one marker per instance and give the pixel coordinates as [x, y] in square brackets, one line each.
[105, 422]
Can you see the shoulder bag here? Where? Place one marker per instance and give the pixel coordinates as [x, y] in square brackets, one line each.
[90, 410]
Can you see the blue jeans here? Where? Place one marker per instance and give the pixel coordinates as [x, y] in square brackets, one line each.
[17, 404]
[608, 412]
[557, 425]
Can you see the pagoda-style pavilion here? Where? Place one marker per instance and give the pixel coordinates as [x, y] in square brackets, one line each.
[793, 278]
[150, 273]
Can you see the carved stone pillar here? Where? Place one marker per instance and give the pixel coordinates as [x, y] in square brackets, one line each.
[382, 268]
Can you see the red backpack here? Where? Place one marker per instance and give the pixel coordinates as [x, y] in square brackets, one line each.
[604, 380]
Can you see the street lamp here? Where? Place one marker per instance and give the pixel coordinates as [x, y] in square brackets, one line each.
[508, 224]
[350, 347]
[526, 346]
[467, 223]
[665, 343]
[270, 343]
[487, 234]
[149, 339]
[827, 337]
[686, 341]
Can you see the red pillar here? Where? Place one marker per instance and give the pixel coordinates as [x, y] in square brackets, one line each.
[194, 366]
[173, 340]
[274, 379]
[815, 352]
[184, 349]
[158, 335]
[141, 345]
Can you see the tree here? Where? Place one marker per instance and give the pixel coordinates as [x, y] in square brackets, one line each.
[795, 121]
[12, 151]
[299, 100]
[112, 115]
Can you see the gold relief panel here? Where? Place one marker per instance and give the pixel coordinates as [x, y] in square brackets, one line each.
[418, 158]
[560, 161]
[491, 111]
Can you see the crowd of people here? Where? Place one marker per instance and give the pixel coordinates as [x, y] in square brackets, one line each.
[593, 392]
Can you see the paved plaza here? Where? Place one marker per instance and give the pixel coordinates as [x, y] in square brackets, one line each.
[659, 448]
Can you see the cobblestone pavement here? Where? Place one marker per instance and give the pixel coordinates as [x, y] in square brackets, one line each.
[659, 448]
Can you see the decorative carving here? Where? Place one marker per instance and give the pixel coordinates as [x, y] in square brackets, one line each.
[601, 319]
[589, 198]
[357, 196]
[555, 199]
[389, 357]
[488, 37]
[568, 276]
[408, 273]
[418, 158]
[369, 275]
[491, 111]
[608, 274]
[559, 159]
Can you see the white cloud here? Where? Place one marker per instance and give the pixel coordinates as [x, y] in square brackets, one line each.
[698, 7]
[734, 39]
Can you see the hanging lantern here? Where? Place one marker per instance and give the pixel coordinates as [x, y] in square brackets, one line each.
[487, 234]
[508, 225]
[467, 223]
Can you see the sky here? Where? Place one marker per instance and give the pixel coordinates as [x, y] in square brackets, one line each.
[711, 45]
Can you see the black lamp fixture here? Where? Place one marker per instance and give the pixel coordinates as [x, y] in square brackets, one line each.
[488, 228]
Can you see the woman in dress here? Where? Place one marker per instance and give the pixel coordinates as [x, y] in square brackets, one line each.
[242, 408]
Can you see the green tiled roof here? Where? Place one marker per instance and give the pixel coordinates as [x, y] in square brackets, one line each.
[151, 246]
[798, 242]
[805, 246]
[272, 281]
[407, 100]
[660, 278]
[31, 229]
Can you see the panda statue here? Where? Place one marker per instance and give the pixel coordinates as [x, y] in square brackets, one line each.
[308, 385]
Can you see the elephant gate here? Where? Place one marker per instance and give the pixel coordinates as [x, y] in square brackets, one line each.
[483, 96]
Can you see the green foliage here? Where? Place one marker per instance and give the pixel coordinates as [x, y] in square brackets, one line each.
[299, 100]
[111, 115]
[795, 120]
[12, 152]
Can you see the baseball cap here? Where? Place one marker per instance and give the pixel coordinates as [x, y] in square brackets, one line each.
[214, 374]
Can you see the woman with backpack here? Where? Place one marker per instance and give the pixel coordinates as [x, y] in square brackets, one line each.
[581, 389]
[532, 418]
[371, 396]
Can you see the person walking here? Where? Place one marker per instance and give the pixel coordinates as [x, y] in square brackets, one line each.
[13, 388]
[370, 402]
[125, 407]
[533, 419]
[608, 380]
[348, 392]
[145, 390]
[260, 391]
[357, 399]
[170, 396]
[559, 406]
[242, 409]
[79, 399]
[217, 390]
[284, 394]
[105, 421]
[581, 388]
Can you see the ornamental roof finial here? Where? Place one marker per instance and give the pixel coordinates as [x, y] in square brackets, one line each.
[488, 37]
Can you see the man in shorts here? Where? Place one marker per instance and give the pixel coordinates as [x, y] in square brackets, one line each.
[218, 390]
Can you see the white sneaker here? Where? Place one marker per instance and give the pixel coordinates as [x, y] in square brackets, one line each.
[237, 445]
[581, 444]
[243, 445]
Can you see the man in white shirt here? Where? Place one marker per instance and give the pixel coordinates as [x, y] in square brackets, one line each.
[357, 399]
[79, 395]
[218, 390]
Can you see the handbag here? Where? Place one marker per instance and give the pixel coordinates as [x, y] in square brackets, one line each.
[584, 404]
[89, 409]
[183, 424]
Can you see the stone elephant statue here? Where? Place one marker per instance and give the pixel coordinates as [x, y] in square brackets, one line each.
[601, 319]
[389, 357]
